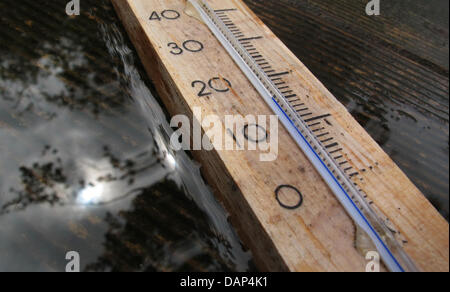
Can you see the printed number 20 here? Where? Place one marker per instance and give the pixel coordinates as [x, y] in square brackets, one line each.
[204, 92]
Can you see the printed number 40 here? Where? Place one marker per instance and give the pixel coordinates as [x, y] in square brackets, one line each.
[167, 14]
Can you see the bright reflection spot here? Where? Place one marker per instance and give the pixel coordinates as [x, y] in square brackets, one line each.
[170, 160]
[90, 194]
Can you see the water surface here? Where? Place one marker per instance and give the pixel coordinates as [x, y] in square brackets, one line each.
[84, 163]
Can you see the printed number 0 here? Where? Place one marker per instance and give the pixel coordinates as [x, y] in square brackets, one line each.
[189, 45]
[203, 91]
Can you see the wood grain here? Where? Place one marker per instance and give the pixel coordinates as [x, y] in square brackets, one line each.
[319, 236]
[390, 71]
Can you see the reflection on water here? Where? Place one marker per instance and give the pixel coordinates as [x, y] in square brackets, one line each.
[84, 163]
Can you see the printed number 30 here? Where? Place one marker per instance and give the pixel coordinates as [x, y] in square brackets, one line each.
[189, 45]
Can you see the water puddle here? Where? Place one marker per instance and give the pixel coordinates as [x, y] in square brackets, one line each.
[84, 162]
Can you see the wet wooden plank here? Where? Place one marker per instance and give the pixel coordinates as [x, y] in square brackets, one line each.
[390, 71]
[319, 235]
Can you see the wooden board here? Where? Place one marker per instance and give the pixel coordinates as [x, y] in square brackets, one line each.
[318, 236]
[390, 71]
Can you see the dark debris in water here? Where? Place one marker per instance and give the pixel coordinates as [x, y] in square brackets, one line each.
[80, 169]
